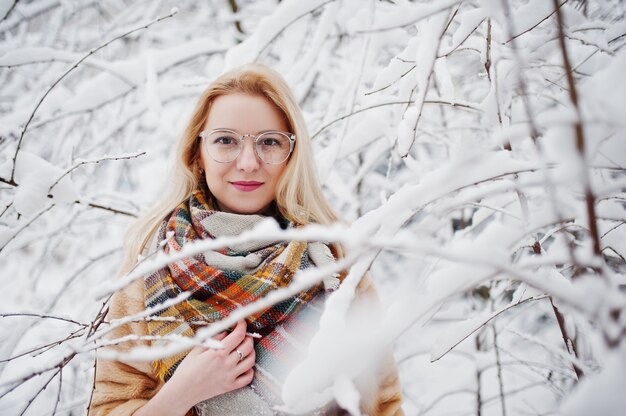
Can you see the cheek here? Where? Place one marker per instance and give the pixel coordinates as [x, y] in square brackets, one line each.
[277, 173]
[214, 178]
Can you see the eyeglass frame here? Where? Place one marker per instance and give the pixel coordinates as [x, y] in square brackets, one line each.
[292, 141]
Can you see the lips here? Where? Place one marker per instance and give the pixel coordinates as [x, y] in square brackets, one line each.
[246, 186]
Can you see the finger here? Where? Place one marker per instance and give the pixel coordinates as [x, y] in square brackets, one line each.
[235, 358]
[244, 379]
[232, 340]
[246, 364]
[246, 346]
[198, 349]
[241, 353]
[220, 336]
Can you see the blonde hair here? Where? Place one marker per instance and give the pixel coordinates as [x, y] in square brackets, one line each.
[299, 196]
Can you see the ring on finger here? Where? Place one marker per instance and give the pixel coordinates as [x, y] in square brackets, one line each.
[240, 355]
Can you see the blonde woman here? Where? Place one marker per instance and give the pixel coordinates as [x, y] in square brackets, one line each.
[244, 156]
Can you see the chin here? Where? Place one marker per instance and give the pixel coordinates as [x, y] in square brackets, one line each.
[247, 209]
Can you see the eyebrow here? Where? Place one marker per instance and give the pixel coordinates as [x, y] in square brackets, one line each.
[258, 132]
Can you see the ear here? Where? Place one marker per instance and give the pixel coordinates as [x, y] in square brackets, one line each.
[199, 162]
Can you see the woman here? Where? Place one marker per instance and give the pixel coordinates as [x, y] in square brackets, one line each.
[244, 156]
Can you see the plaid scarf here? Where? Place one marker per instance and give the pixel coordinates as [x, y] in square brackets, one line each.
[223, 280]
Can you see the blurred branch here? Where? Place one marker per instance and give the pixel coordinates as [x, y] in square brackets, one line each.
[10, 10]
[459, 44]
[445, 395]
[534, 132]
[282, 29]
[425, 15]
[27, 12]
[479, 373]
[235, 8]
[580, 138]
[496, 349]
[517, 390]
[567, 340]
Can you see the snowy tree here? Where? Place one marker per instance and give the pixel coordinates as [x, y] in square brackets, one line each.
[477, 148]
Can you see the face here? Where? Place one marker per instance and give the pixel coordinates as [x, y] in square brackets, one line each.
[246, 185]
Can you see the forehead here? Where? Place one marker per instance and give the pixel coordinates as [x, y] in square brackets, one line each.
[245, 113]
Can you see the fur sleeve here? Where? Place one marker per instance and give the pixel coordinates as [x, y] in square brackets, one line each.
[123, 387]
[381, 390]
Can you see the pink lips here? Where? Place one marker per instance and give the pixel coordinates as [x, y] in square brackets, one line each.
[246, 186]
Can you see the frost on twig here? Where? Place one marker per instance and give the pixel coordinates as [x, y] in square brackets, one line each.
[474, 149]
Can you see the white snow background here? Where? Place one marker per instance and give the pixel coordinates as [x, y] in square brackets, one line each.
[481, 178]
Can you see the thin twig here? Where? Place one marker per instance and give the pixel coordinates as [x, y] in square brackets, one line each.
[93, 383]
[613, 228]
[269, 42]
[389, 85]
[466, 106]
[496, 349]
[451, 51]
[449, 393]
[512, 38]
[56, 403]
[86, 64]
[12, 23]
[80, 202]
[499, 312]
[410, 23]
[10, 10]
[41, 316]
[9, 205]
[424, 87]
[580, 138]
[67, 72]
[98, 320]
[567, 340]
[43, 348]
[24, 226]
[84, 162]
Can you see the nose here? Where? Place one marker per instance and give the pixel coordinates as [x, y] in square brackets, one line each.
[248, 161]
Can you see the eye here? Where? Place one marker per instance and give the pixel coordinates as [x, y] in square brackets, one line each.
[271, 141]
[223, 139]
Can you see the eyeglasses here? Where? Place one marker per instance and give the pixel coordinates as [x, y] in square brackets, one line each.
[225, 145]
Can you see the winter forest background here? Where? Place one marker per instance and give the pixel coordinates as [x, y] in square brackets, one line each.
[476, 148]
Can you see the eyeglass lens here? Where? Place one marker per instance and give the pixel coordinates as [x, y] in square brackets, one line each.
[271, 147]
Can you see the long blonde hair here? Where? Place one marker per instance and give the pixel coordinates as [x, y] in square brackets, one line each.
[299, 196]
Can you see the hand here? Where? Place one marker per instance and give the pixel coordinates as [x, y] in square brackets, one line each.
[206, 373]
